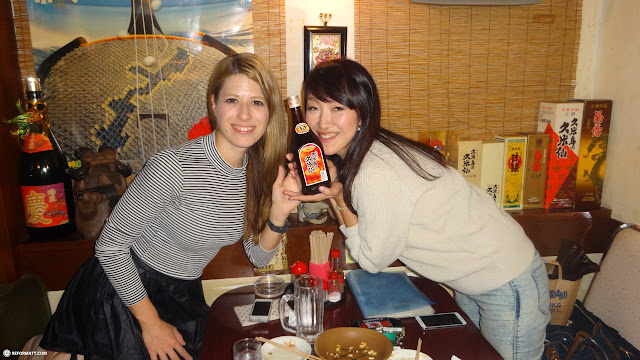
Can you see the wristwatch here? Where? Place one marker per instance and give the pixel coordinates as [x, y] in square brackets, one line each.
[278, 229]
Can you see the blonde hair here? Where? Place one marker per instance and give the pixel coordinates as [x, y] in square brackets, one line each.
[269, 152]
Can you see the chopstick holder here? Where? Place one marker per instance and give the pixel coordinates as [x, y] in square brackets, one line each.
[320, 270]
[320, 245]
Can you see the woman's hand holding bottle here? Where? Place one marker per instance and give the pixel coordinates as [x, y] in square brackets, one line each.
[333, 192]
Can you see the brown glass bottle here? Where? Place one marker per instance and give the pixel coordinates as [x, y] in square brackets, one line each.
[307, 151]
[46, 187]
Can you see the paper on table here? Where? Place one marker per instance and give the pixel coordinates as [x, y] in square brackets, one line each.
[453, 357]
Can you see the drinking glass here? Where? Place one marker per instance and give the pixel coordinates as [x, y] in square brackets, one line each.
[308, 299]
[247, 349]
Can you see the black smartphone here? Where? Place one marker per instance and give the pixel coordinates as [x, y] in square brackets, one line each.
[441, 320]
[260, 310]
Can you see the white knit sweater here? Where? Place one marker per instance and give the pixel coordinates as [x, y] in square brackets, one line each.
[446, 230]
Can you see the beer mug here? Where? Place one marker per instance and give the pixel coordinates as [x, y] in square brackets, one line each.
[308, 300]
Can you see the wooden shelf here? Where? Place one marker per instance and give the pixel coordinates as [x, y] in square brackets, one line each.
[57, 261]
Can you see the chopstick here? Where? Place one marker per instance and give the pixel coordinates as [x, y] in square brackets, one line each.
[297, 352]
[320, 245]
[418, 349]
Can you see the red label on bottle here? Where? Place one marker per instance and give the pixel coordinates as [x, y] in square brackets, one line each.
[312, 164]
[45, 205]
[36, 142]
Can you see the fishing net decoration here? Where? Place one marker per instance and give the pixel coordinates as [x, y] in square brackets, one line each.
[139, 95]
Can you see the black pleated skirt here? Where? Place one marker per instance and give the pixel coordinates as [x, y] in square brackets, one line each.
[92, 320]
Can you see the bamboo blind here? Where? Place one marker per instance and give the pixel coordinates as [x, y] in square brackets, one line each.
[479, 70]
[23, 39]
[270, 37]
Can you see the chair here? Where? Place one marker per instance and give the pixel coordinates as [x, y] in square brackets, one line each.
[24, 311]
[615, 291]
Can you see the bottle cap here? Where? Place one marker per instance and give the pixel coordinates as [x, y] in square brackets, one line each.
[299, 268]
[33, 84]
[293, 101]
[335, 253]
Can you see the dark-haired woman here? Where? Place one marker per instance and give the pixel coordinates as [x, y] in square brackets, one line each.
[140, 297]
[396, 199]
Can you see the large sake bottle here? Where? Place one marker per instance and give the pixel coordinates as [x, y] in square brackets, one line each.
[46, 187]
[307, 151]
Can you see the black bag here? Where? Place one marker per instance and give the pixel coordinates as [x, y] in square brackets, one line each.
[586, 338]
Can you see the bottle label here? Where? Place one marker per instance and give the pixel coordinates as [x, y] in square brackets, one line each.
[36, 142]
[45, 205]
[302, 128]
[312, 164]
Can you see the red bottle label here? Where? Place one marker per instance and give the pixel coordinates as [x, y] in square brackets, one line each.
[45, 205]
[312, 164]
[35, 142]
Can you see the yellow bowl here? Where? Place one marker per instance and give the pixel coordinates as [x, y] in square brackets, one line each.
[338, 343]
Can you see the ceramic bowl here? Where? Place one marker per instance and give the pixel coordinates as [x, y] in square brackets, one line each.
[340, 342]
[271, 352]
[407, 354]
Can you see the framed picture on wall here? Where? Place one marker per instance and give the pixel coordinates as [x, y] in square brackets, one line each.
[322, 43]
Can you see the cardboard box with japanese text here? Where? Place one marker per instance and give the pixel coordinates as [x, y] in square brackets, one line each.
[563, 122]
[465, 155]
[592, 156]
[535, 173]
[492, 172]
[513, 164]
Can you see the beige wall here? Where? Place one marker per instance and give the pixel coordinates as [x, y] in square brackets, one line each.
[608, 68]
[301, 13]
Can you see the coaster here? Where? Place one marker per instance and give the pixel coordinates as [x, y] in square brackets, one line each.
[243, 312]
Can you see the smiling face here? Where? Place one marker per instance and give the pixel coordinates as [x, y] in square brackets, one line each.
[335, 124]
[242, 116]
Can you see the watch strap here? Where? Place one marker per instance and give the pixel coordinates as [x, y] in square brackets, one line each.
[278, 229]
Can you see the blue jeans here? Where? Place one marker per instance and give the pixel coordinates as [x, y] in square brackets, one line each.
[514, 316]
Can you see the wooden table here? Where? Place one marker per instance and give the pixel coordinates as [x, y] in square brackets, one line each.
[223, 327]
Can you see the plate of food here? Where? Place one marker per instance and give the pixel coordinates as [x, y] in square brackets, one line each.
[353, 343]
[272, 352]
[407, 354]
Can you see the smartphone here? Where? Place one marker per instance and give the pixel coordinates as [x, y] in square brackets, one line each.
[442, 320]
[260, 310]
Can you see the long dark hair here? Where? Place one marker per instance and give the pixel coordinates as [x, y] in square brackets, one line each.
[350, 84]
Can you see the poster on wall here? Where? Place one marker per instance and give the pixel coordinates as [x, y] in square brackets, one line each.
[131, 74]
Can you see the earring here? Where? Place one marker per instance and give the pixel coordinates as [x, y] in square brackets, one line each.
[358, 128]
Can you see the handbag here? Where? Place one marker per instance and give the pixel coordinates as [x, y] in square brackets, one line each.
[586, 337]
[562, 296]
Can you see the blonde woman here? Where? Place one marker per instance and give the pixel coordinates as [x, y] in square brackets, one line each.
[140, 296]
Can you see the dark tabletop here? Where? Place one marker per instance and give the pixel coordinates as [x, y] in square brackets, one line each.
[467, 343]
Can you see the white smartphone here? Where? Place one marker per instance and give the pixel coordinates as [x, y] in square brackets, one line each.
[260, 310]
[442, 320]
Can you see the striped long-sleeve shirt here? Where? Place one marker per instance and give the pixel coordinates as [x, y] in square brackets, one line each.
[183, 206]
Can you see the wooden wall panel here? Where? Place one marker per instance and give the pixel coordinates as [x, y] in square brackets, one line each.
[11, 213]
